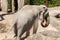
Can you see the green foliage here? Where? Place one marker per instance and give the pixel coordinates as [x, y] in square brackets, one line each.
[36, 2]
[9, 4]
[51, 3]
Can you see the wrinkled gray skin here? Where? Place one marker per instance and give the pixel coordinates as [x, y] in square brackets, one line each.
[27, 17]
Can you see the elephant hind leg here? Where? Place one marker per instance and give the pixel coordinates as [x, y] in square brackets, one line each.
[27, 34]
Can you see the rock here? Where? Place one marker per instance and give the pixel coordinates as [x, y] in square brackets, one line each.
[45, 35]
[55, 23]
[2, 28]
[51, 33]
[6, 31]
[54, 11]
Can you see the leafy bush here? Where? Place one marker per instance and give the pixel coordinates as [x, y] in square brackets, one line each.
[9, 4]
[51, 3]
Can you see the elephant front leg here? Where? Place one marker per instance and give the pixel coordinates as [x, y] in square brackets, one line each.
[35, 26]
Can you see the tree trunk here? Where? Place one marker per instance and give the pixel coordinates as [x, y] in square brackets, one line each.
[16, 5]
[47, 3]
[0, 5]
[20, 4]
[31, 2]
[4, 5]
[13, 6]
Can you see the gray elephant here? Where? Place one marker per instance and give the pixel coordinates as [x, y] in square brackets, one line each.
[28, 16]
